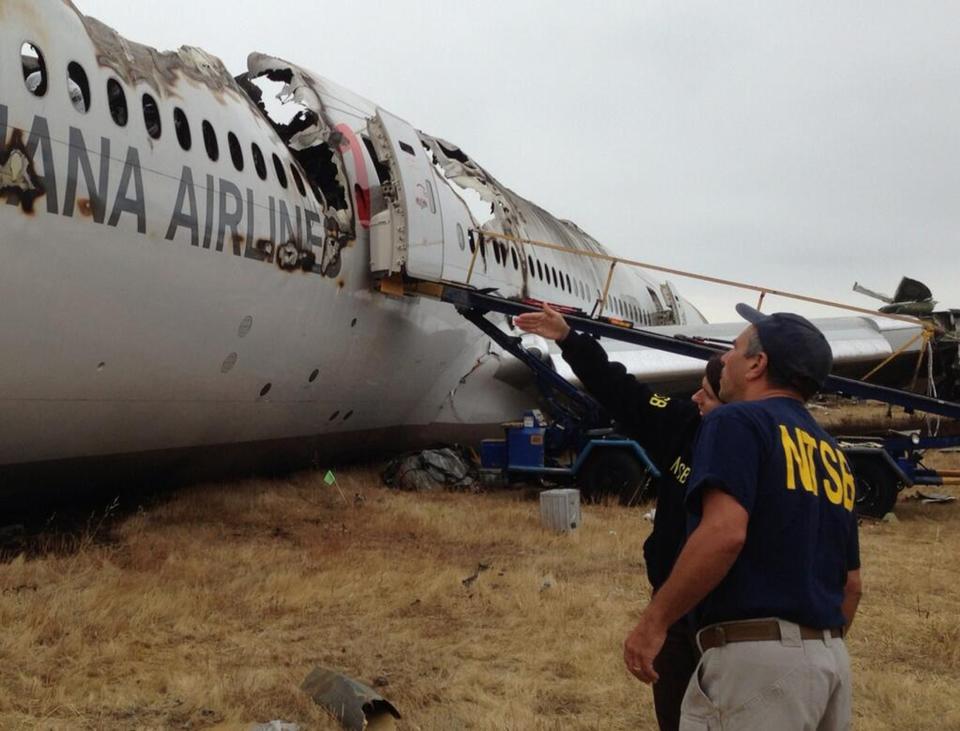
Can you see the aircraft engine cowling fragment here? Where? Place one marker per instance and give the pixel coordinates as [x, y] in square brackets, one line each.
[352, 703]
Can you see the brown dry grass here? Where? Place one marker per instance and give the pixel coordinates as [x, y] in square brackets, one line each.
[209, 610]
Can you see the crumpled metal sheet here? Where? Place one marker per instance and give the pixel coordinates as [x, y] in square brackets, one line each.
[430, 470]
[355, 705]
[15, 173]
[163, 70]
[301, 87]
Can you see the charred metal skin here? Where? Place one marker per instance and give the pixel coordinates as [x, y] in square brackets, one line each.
[19, 183]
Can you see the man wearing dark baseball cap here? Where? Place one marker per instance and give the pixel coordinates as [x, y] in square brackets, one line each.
[772, 562]
[798, 355]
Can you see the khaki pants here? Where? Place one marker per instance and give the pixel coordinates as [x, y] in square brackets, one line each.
[783, 685]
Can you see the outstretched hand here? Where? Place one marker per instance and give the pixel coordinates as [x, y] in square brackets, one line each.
[549, 323]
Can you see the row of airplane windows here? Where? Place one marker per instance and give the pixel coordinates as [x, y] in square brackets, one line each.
[35, 78]
[549, 274]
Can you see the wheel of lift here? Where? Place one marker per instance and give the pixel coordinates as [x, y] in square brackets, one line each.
[611, 472]
[876, 487]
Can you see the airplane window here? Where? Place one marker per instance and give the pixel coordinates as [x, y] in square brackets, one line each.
[461, 239]
[496, 251]
[473, 244]
[117, 100]
[298, 180]
[210, 141]
[539, 270]
[258, 162]
[78, 86]
[554, 271]
[236, 154]
[151, 116]
[34, 69]
[569, 285]
[531, 267]
[281, 173]
[182, 126]
[513, 255]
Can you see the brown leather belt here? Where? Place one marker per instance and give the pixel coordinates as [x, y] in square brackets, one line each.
[758, 630]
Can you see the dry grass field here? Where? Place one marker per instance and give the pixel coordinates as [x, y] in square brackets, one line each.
[207, 610]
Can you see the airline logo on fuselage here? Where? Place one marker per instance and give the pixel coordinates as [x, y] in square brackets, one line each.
[213, 211]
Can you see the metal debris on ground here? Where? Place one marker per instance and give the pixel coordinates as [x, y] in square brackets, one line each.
[431, 470]
[355, 705]
[481, 567]
[936, 498]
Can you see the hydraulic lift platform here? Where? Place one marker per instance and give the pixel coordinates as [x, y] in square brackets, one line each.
[881, 471]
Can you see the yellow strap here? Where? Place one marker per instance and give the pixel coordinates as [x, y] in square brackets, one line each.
[606, 288]
[714, 280]
[922, 334]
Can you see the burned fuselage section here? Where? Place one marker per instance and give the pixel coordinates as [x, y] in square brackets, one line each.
[187, 265]
[316, 143]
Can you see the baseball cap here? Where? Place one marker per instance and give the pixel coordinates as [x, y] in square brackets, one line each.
[795, 348]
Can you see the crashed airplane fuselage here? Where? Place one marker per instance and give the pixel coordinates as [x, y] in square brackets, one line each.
[182, 270]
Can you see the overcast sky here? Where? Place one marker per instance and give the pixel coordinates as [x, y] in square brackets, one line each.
[799, 146]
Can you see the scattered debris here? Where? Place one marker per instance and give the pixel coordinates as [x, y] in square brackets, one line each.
[432, 470]
[936, 498]
[890, 518]
[276, 726]
[355, 705]
[547, 582]
[481, 567]
[650, 515]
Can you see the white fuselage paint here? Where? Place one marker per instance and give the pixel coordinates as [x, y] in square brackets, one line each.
[118, 339]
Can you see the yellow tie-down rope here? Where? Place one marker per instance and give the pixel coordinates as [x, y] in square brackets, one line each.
[929, 329]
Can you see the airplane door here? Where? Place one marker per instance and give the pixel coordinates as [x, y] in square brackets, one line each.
[673, 302]
[410, 231]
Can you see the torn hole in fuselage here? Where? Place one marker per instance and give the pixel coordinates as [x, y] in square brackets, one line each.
[482, 209]
[309, 138]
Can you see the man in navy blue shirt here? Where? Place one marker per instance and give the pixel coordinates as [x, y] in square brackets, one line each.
[772, 559]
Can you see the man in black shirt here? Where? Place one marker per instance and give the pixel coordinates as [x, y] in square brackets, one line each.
[665, 427]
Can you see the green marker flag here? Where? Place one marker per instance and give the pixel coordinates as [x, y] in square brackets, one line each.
[329, 478]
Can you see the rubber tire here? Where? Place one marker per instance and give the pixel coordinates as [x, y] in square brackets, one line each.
[876, 487]
[610, 472]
